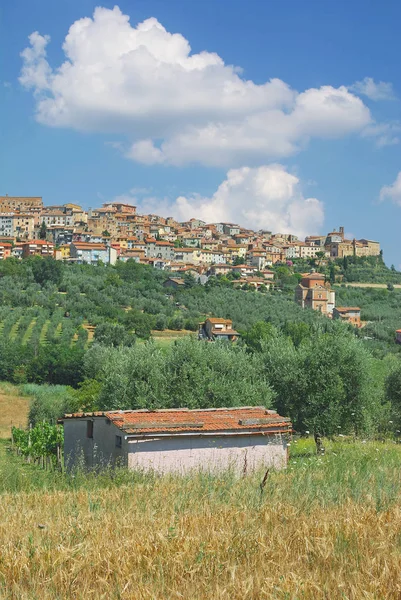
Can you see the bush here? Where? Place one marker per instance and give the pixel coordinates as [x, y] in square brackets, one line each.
[49, 402]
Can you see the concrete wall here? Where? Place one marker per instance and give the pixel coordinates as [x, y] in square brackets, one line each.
[181, 454]
[98, 451]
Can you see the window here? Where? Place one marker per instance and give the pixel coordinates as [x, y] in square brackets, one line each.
[89, 429]
[119, 441]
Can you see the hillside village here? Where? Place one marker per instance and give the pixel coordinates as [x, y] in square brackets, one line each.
[117, 232]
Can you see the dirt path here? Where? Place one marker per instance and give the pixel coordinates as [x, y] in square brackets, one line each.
[372, 285]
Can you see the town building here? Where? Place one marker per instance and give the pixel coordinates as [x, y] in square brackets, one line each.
[5, 250]
[217, 329]
[350, 314]
[20, 203]
[37, 248]
[178, 441]
[84, 252]
[314, 292]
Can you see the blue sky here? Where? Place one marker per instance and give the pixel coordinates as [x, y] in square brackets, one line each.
[303, 134]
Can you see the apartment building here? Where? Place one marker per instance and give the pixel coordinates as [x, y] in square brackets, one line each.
[37, 248]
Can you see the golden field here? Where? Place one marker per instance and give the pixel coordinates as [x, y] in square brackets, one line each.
[326, 528]
[13, 409]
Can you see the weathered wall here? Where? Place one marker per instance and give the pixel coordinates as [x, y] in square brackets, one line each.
[100, 450]
[210, 453]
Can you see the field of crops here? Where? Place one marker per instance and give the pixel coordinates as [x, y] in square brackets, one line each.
[37, 325]
[326, 528]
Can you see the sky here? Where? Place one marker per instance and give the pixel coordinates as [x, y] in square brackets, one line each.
[283, 115]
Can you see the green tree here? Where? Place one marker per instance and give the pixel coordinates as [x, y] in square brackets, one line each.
[46, 270]
[258, 334]
[113, 334]
[43, 231]
[324, 385]
[189, 280]
[393, 394]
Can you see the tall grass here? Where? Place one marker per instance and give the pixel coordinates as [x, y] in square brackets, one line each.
[325, 528]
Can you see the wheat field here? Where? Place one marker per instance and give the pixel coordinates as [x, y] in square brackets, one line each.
[13, 409]
[326, 528]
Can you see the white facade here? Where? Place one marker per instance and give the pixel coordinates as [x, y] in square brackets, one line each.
[211, 453]
[6, 225]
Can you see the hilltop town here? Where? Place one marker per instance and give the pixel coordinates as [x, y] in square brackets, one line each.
[117, 232]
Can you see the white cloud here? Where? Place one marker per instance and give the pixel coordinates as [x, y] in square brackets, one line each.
[393, 191]
[173, 106]
[375, 91]
[385, 134]
[36, 72]
[266, 197]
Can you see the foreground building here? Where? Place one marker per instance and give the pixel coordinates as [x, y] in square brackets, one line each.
[178, 440]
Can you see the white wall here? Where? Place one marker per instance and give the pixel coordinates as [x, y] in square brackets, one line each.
[210, 453]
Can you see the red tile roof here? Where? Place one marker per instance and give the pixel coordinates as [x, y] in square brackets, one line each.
[182, 420]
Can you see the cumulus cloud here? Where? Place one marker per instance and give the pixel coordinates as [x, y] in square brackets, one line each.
[392, 192]
[375, 91]
[174, 106]
[266, 197]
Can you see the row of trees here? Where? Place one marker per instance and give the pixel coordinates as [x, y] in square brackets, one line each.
[325, 380]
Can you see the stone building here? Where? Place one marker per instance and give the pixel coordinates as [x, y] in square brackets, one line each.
[313, 292]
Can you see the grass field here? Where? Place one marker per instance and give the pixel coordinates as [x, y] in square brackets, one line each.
[326, 528]
[168, 336]
[13, 409]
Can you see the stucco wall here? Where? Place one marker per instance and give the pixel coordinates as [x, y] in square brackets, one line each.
[100, 450]
[210, 453]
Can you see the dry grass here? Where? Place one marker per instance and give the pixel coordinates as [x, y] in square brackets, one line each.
[13, 409]
[325, 529]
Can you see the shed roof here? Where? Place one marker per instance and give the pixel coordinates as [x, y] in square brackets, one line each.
[183, 420]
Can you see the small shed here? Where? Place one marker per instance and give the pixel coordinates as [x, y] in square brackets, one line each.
[174, 282]
[178, 440]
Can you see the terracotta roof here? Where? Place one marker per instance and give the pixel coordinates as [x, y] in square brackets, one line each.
[132, 422]
[313, 276]
[216, 320]
[89, 246]
[346, 308]
[38, 243]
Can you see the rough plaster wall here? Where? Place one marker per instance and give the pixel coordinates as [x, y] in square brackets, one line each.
[100, 450]
[209, 453]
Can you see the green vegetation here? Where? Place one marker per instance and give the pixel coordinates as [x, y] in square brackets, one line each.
[323, 374]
